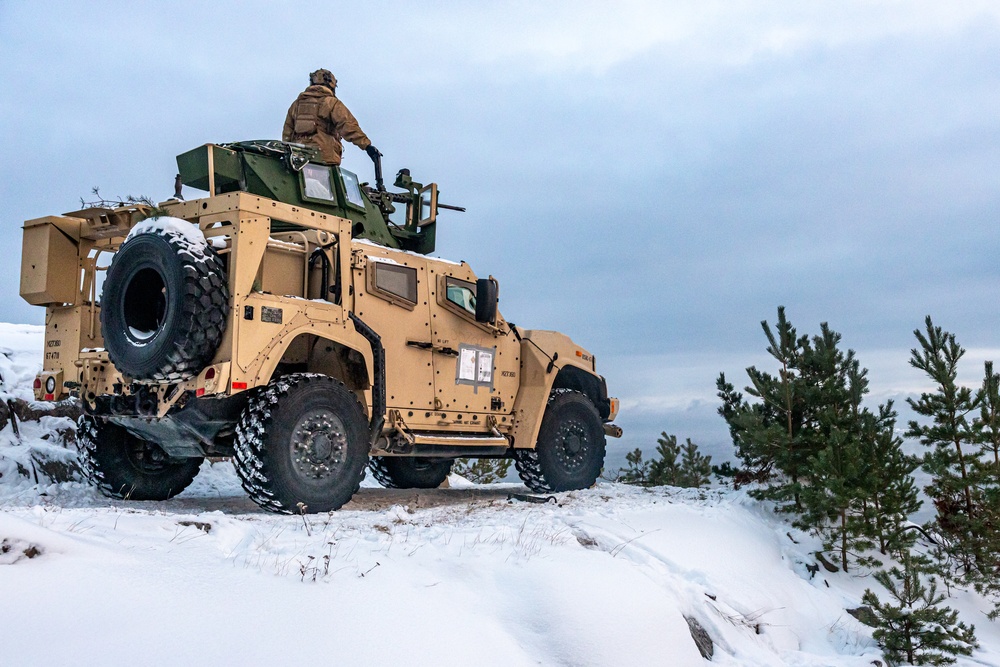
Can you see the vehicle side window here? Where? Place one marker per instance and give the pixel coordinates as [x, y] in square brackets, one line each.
[462, 294]
[317, 184]
[396, 281]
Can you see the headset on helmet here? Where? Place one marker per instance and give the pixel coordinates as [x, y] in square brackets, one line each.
[323, 77]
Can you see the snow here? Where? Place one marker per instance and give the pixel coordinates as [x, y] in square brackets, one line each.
[141, 335]
[456, 576]
[20, 359]
[188, 234]
[440, 260]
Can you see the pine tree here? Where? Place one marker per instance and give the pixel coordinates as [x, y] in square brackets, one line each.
[665, 469]
[816, 449]
[987, 427]
[986, 524]
[745, 422]
[691, 471]
[840, 474]
[777, 431]
[916, 629]
[893, 495]
[637, 471]
[695, 466]
[952, 460]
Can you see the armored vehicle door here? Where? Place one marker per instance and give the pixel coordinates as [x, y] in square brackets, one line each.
[391, 296]
[475, 363]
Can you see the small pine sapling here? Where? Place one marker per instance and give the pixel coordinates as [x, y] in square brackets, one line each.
[482, 471]
[691, 471]
[695, 466]
[637, 470]
[914, 628]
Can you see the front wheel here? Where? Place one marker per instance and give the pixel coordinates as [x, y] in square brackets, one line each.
[124, 466]
[569, 453]
[302, 445]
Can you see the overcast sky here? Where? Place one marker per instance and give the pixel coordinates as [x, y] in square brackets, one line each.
[652, 178]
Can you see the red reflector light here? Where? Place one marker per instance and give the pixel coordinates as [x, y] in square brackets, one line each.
[38, 383]
[210, 373]
[199, 392]
[49, 397]
[239, 385]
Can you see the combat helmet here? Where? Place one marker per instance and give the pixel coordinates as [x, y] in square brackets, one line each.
[323, 77]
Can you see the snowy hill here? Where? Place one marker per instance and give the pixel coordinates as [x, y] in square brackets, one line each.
[606, 576]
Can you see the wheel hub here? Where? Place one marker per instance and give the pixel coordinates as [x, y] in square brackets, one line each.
[319, 442]
[573, 445]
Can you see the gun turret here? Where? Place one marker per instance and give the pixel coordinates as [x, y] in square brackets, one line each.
[293, 173]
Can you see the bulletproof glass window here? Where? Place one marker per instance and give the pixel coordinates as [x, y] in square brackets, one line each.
[428, 205]
[462, 294]
[352, 189]
[317, 183]
[396, 281]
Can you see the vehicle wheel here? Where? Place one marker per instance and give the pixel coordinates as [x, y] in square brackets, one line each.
[124, 466]
[410, 472]
[164, 304]
[570, 450]
[302, 439]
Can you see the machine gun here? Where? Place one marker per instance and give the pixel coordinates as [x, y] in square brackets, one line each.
[417, 195]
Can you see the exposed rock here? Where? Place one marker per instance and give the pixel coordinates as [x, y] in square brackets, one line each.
[827, 565]
[865, 615]
[56, 467]
[34, 411]
[200, 525]
[12, 550]
[701, 638]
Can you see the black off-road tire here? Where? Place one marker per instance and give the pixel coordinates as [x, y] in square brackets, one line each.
[410, 472]
[302, 444]
[163, 307]
[569, 453]
[124, 466]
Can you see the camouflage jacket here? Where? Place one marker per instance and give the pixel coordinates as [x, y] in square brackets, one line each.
[319, 119]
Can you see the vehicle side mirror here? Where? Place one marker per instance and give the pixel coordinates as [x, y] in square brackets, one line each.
[486, 300]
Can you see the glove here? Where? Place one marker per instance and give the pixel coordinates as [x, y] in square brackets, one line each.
[373, 153]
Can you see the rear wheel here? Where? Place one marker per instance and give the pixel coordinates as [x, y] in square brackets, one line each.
[410, 472]
[124, 466]
[571, 445]
[302, 444]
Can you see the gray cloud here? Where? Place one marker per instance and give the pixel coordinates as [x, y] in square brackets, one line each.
[651, 180]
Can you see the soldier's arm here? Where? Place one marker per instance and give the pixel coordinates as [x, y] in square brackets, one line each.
[348, 125]
[286, 133]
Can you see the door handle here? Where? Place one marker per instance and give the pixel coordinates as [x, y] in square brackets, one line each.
[422, 345]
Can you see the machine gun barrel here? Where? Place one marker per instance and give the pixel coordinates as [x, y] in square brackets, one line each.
[451, 208]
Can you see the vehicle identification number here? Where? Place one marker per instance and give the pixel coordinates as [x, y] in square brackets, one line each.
[272, 315]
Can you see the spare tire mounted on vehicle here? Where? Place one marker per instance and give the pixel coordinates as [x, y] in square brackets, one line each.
[164, 302]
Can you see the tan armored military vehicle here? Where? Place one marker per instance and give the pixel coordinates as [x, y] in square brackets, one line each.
[293, 320]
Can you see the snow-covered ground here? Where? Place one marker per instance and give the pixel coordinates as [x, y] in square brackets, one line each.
[453, 576]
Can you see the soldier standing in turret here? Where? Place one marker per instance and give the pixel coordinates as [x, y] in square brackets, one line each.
[319, 119]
